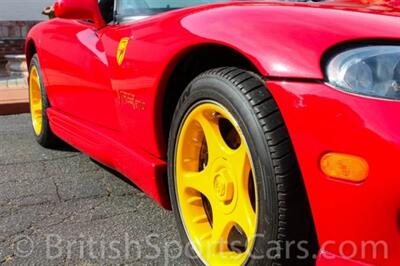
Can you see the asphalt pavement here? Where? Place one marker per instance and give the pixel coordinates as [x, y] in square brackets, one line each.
[58, 207]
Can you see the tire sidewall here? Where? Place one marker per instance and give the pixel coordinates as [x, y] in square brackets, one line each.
[222, 91]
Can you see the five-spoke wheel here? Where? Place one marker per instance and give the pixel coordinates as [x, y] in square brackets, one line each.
[234, 182]
[215, 185]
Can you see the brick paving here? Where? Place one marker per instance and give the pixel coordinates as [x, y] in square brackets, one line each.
[13, 95]
[13, 83]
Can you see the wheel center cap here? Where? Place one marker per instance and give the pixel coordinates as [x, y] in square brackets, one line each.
[223, 186]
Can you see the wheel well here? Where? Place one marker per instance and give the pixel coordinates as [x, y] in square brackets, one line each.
[30, 50]
[190, 66]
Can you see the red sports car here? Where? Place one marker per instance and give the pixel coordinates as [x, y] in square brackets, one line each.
[272, 129]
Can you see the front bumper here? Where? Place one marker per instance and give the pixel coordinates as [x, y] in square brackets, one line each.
[356, 223]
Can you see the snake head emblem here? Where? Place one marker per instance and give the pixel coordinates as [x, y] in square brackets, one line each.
[121, 51]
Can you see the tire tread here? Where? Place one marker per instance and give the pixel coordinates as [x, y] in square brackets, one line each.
[287, 174]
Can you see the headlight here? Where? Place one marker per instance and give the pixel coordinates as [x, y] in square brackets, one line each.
[372, 71]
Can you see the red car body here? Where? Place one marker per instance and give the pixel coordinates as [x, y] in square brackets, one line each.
[114, 113]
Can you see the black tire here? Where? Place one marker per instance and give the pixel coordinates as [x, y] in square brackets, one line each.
[46, 138]
[284, 214]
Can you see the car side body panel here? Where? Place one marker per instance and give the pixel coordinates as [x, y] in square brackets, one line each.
[122, 126]
[162, 44]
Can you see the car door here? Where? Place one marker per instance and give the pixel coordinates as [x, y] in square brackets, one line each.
[78, 74]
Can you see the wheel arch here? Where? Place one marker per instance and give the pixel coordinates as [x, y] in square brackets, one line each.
[184, 68]
[182, 71]
[30, 50]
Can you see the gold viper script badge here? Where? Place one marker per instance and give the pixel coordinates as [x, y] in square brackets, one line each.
[121, 51]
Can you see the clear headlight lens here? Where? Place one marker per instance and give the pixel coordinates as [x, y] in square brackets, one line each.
[372, 71]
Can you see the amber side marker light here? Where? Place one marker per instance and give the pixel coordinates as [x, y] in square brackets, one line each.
[344, 166]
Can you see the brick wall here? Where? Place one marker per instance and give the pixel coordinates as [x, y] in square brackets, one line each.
[12, 38]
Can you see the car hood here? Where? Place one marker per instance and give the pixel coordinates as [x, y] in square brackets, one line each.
[382, 7]
[308, 30]
[282, 39]
[389, 7]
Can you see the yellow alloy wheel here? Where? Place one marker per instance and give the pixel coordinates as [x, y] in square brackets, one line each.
[35, 100]
[216, 190]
